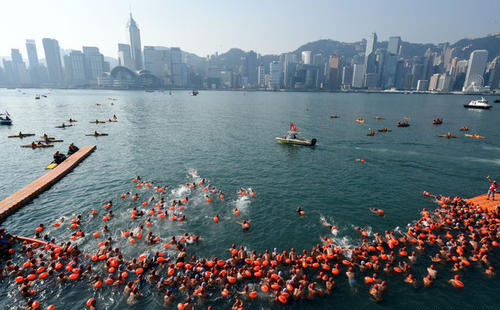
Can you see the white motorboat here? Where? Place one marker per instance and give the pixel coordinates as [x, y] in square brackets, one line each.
[291, 138]
[5, 119]
[478, 104]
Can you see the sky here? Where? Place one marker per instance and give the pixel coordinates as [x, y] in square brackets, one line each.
[268, 27]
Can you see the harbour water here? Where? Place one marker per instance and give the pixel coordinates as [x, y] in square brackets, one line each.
[228, 138]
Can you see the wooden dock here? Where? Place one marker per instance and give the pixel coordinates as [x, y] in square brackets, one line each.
[489, 205]
[43, 183]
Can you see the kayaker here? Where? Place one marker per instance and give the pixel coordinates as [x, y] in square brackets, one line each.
[492, 189]
[59, 158]
[72, 149]
[96, 133]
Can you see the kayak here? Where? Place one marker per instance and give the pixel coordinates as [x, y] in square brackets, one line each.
[384, 130]
[98, 135]
[22, 135]
[64, 126]
[360, 120]
[297, 141]
[378, 117]
[112, 121]
[464, 129]
[447, 136]
[72, 120]
[50, 141]
[51, 166]
[48, 138]
[38, 146]
[97, 122]
[334, 116]
[475, 136]
[371, 134]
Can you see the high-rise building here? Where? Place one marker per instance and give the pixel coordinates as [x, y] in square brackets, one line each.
[422, 85]
[251, 68]
[347, 72]
[370, 61]
[53, 60]
[306, 57]
[124, 57]
[157, 61]
[94, 63]
[275, 69]
[32, 54]
[393, 46]
[261, 75]
[433, 82]
[475, 70]
[179, 72]
[494, 80]
[389, 70]
[135, 44]
[20, 75]
[333, 72]
[358, 74]
[75, 68]
[371, 80]
[444, 84]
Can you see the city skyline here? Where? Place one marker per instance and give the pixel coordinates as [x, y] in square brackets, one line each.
[202, 28]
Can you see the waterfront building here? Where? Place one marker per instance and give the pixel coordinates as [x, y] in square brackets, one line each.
[371, 44]
[251, 68]
[32, 54]
[422, 85]
[433, 83]
[124, 57]
[75, 69]
[94, 63]
[475, 70]
[358, 73]
[444, 84]
[178, 68]
[389, 70]
[306, 57]
[333, 72]
[275, 70]
[157, 61]
[53, 60]
[261, 76]
[19, 68]
[135, 44]
[371, 81]
[494, 79]
[347, 72]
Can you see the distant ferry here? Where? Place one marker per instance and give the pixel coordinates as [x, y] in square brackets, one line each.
[478, 104]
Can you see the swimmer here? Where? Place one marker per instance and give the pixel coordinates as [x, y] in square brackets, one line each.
[300, 211]
[455, 282]
[245, 225]
[351, 279]
[427, 280]
[432, 272]
[489, 272]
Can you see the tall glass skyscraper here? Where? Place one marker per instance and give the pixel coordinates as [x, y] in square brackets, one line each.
[32, 54]
[53, 59]
[135, 44]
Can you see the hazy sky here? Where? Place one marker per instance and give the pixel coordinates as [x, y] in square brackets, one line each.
[270, 26]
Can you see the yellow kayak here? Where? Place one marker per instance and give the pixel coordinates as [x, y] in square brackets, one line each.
[475, 136]
[51, 166]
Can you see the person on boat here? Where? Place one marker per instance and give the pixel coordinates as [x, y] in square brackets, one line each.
[33, 144]
[448, 135]
[59, 158]
[20, 134]
[114, 117]
[72, 149]
[492, 189]
[96, 133]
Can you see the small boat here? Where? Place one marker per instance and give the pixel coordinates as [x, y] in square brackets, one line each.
[378, 117]
[64, 126]
[36, 146]
[22, 135]
[464, 128]
[112, 121]
[448, 135]
[403, 124]
[97, 122]
[496, 100]
[194, 93]
[96, 134]
[292, 138]
[360, 120]
[478, 104]
[437, 121]
[384, 130]
[52, 165]
[475, 136]
[5, 119]
[44, 96]
[37, 97]
[50, 141]
[371, 133]
[334, 116]
[72, 120]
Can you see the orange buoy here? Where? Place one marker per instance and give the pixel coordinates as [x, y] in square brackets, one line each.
[282, 299]
[216, 219]
[109, 281]
[19, 279]
[139, 270]
[253, 294]
[51, 307]
[231, 280]
[35, 305]
[90, 301]
[73, 276]
[43, 275]
[264, 288]
[98, 284]
[180, 306]
[397, 269]
[31, 277]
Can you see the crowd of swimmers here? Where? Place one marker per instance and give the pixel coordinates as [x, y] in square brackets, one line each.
[457, 235]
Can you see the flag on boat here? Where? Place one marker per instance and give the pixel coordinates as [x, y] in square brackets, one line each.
[292, 127]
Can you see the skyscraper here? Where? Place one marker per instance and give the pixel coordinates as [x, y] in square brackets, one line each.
[475, 71]
[358, 73]
[275, 69]
[306, 57]
[124, 57]
[94, 63]
[260, 76]
[20, 75]
[53, 59]
[370, 58]
[135, 44]
[77, 71]
[32, 54]
[394, 43]
[333, 72]
[251, 63]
